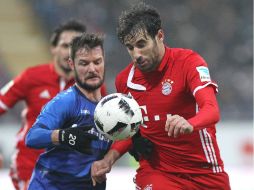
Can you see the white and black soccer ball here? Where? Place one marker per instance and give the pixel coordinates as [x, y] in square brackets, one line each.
[118, 116]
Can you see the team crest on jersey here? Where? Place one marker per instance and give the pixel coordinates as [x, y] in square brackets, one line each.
[166, 87]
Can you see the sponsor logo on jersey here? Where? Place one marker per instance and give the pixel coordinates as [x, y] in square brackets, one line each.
[203, 73]
[45, 94]
[85, 112]
[166, 87]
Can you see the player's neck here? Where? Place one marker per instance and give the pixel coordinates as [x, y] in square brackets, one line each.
[94, 95]
[161, 52]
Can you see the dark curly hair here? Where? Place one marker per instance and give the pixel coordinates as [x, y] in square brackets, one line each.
[71, 25]
[140, 17]
[87, 41]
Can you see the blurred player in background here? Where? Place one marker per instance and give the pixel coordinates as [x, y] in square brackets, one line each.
[66, 124]
[36, 86]
[177, 97]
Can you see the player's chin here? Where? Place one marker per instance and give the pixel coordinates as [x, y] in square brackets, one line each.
[94, 84]
[144, 68]
[93, 81]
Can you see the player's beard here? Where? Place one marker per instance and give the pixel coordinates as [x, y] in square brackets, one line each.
[87, 86]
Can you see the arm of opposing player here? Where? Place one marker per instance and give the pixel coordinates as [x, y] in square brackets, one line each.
[101, 167]
[122, 146]
[14, 91]
[208, 112]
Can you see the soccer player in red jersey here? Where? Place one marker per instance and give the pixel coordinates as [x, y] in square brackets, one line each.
[36, 86]
[177, 97]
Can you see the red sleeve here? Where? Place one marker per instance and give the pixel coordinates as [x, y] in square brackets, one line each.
[13, 91]
[196, 71]
[122, 146]
[208, 113]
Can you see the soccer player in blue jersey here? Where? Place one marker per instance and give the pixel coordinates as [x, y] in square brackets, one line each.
[65, 127]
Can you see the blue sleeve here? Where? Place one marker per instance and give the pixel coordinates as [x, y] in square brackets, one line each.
[53, 116]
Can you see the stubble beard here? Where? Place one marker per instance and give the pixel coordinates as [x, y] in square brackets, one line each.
[86, 86]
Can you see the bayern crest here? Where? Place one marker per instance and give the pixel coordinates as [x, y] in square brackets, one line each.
[166, 87]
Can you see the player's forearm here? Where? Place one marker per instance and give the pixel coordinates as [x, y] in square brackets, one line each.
[112, 156]
[208, 113]
[38, 137]
[122, 146]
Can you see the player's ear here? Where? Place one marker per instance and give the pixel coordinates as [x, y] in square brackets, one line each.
[160, 35]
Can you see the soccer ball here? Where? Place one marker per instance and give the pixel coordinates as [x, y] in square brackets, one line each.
[118, 116]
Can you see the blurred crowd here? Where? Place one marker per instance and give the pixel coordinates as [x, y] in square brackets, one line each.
[221, 31]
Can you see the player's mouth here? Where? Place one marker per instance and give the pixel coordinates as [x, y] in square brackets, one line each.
[142, 63]
[94, 77]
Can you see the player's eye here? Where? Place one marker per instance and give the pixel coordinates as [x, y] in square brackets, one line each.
[82, 62]
[129, 47]
[65, 46]
[141, 44]
[99, 61]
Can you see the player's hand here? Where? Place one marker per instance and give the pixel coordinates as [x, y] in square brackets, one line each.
[142, 147]
[78, 138]
[177, 125]
[99, 170]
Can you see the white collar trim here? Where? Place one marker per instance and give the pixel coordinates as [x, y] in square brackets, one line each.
[131, 84]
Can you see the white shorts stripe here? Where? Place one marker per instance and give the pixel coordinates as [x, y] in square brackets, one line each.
[218, 169]
[204, 146]
[208, 148]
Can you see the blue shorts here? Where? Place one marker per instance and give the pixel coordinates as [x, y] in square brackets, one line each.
[44, 179]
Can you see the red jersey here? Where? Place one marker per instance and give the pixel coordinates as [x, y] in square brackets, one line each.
[36, 86]
[169, 90]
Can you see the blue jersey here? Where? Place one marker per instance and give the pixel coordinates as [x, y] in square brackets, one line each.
[68, 109]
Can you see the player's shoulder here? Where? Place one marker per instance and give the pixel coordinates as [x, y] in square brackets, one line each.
[182, 52]
[38, 69]
[65, 98]
[123, 74]
[67, 95]
[186, 56]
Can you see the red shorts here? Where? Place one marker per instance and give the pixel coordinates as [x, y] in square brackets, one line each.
[151, 179]
[18, 183]
[22, 166]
